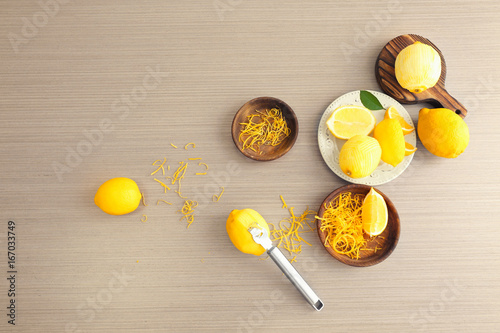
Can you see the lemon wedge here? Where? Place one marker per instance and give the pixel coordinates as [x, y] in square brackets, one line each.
[374, 213]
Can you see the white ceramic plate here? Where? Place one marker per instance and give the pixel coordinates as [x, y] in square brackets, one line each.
[330, 146]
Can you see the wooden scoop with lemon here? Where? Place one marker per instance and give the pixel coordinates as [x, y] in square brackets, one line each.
[249, 232]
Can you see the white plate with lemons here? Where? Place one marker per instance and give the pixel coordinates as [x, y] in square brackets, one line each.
[330, 146]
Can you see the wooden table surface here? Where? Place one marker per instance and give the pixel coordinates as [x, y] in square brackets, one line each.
[92, 90]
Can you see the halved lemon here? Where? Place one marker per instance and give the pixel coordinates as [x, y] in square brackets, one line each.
[409, 149]
[374, 213]
[349, 120]
[392, 113]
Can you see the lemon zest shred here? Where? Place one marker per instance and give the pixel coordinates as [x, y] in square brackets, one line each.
[168, 167]
[143, 200]
[200, 173]
[194, 158]
[343, 225]
[173, 145]
[179, 173]
[188, 211]
[144, 218]
[284, 203]
[159, 167]
[161, 200]
[289, 230]
[206, 166]
[216, 197]
[189, 144]
[162, 184]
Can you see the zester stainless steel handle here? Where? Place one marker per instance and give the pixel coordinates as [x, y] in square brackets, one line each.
[294, 277]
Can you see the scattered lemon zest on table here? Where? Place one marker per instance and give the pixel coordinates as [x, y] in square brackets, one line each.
[290, 229]
[194, 158]
[143, 200]
[161, 200]
[164, 185]
[201, 163]
[188, 211]
[284, 203]
[144, 218]
[216, 197]
[173, 145]
[189, 144]
[343, 225]
[271, 130]
[200, 173]
[160, 166]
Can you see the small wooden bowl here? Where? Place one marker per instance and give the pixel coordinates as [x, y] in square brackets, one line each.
[390, 234]
[267, 153]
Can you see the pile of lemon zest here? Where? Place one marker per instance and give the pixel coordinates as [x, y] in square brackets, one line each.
[144, 218]
[289, 230]
[194, 158]
[173, 145]
[162, 184]
[343, 225]
[189, 144]
[159, 167]
[188, 211]
[143, 199]
[284, 203]
[161, 200]
[200, 173]
[271, 129]
[216, 197]
[206, 166]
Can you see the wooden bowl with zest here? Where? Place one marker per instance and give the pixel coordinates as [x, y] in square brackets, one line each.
[386, 241]
[265, 152]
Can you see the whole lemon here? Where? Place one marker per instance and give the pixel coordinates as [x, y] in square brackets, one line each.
[391, 138]
[442, 132]
[237, 225]
[418, 67]
[360, 156]
[118, 196]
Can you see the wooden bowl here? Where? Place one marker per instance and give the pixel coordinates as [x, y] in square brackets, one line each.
[387, 240]
[386, 77]
[267, 153]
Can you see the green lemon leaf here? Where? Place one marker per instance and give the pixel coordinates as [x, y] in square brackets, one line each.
[369, 101]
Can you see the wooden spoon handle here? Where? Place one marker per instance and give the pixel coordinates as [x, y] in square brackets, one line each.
[442, 98]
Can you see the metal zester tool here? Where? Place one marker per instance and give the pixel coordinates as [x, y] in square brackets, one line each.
[261, 237]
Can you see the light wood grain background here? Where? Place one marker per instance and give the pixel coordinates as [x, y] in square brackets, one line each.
[80, 270]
